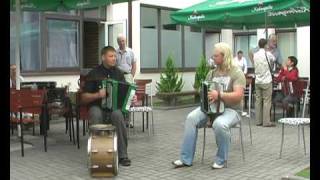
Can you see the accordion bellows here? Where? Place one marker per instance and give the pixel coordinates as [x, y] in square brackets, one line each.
[120, 94]
[206, 106]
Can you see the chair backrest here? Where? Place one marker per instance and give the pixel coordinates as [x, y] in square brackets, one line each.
[306, 96]
[83, 109]
[34, 98]
[141, 88]
[294, 88]
[15, 100]
[56, 94]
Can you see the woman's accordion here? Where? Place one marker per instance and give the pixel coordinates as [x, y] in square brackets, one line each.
[215, 108]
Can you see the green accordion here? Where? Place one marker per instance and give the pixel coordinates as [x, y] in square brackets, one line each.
[119, 95]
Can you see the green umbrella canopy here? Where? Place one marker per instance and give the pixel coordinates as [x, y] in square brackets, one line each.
[53, 5]
[245, 14]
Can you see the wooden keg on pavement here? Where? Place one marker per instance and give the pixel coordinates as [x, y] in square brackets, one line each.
[102, 151]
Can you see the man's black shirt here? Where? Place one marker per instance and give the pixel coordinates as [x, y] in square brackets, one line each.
[94, 77]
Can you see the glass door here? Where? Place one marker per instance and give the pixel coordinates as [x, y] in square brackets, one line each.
[112, 30]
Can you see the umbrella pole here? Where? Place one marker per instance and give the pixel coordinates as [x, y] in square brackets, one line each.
[265, 24]
[18, 19]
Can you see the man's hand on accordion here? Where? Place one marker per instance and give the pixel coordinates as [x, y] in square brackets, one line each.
[102, 93]
[213, 95]
[134, 100]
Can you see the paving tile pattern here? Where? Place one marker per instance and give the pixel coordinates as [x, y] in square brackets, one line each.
[152, 155]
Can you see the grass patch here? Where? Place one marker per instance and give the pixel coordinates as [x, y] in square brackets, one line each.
[304, 173]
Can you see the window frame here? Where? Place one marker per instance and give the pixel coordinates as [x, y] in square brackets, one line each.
[248, 34]
[43, 17]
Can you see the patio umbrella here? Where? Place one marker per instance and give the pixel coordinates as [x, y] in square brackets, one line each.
[245, 14]
[49, 5]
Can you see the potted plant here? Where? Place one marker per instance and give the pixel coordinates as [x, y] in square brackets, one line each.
[169, 81]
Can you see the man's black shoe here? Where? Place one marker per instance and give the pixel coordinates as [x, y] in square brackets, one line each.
[124, 161]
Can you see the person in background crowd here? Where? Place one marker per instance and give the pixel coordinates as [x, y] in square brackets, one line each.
[242, 63]
[263, 84]
[13, 73]
[125, 59]
[288, 73]
[273, 49]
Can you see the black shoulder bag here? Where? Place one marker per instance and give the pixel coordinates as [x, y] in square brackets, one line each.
[270, 72]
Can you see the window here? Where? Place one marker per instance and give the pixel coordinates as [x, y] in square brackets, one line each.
[161, 37]
[170, 40]
[149, 38]
[29, 41]
[193, 46]
[211, 38]
[245, 42]
[287, 44]
[62, 44]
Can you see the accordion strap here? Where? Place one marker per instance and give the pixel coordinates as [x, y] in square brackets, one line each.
[218, 101]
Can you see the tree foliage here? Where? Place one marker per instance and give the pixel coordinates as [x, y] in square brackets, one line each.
[201, 73]
[169, 78]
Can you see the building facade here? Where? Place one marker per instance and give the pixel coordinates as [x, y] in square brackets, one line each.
[60, 46]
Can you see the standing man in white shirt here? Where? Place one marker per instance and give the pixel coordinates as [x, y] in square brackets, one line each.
[125, 59]
[242, 64]
[13, 69]
[126, 62]
[263, 60]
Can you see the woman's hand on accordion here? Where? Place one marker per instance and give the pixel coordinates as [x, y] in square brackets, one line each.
[213, 95]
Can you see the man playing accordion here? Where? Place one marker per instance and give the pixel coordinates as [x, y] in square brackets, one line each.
[93, 95]
[233, 79]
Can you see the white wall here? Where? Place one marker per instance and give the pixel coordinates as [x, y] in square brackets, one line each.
[261, 33]
[227, 37]
[303, 53]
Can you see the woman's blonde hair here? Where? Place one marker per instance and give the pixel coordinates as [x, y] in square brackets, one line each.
[226, 51]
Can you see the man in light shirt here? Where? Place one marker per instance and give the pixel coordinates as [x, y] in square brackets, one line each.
[263, 62]
[273, 49]
[126, 61]
[241, 62]
[13, 69]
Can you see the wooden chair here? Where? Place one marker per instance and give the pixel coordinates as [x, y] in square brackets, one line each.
[29, 101]
[143, 106]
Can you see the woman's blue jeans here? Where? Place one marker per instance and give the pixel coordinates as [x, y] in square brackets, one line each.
[221, 127]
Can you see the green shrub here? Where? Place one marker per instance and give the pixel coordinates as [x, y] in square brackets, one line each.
[201, 73]
[169, 79]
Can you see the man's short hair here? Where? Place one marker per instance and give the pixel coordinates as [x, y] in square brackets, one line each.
[294, 60]
[262, 43]
[107, 49]
[272, 35]
[240, 52]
